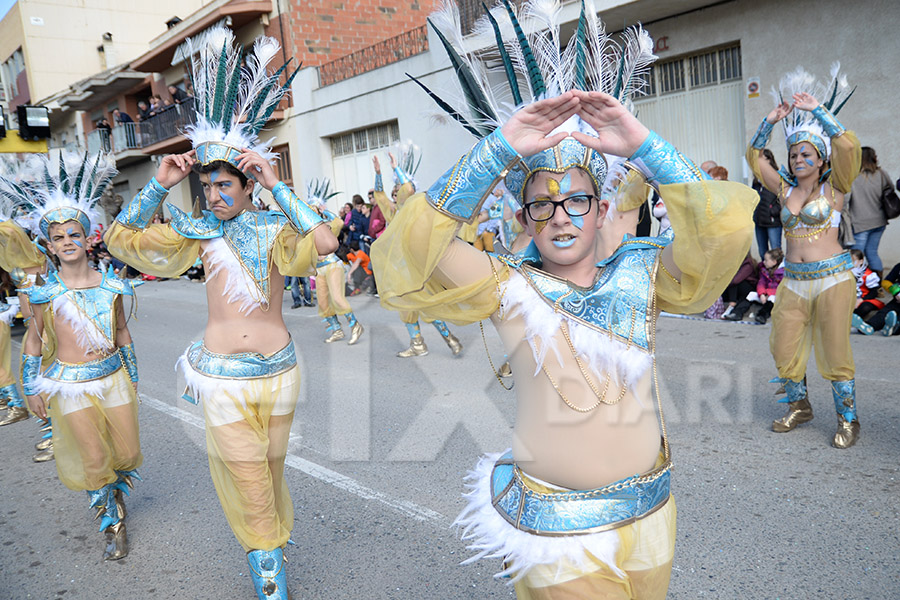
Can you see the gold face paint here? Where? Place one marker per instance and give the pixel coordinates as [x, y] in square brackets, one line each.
[552, 187]
[539, 226]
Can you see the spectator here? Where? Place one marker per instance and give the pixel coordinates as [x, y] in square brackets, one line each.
[360, 276]
[105, 130]
[143, 110]
[377, 222]
[767, 216]
[358, 223]
[708, 165]
[719, 173]
[178, 95]
[743, 282]
[771, 272]
[121, 116]
[868, 284]
[886, 319]
[866, 208]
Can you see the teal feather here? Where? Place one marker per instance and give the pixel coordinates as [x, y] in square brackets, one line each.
[63, 176]
[48, 178]
[504, 55]
[257, 104]
[580, 42]
[90, 184]
[261, 121]
[80, 175]
[620, 78]
[475, 97]
[841, 105]
[449, 109]
[231, 96]
[534, 73]
[218, 107]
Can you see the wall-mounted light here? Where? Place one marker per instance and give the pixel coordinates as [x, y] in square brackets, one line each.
[34, 122]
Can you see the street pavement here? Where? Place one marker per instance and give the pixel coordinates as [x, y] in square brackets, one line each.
[380, 445]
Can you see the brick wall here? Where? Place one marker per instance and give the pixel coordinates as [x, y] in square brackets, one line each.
[319, 31]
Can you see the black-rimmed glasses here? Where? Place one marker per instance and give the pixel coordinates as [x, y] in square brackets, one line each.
[575, 206]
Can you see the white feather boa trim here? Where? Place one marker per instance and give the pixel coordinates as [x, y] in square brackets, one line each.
[71, 389]
[601, 353]
[88, 336]
[239, 286]
[494, 537]
[202, 386]
[9, 314]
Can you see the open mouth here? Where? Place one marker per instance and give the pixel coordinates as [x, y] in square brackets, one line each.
[563, 240]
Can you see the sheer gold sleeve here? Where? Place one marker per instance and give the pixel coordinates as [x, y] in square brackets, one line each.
[713, 226]
[336, 224]
[420, 265]
[388, 208]
[404, 192]
[846, 155]
[157, 250]
[295, 254]
[16, 248]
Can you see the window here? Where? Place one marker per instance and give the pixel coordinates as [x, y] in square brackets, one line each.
[365, 140]
[283, 165]
[9, 72]
[709, 67]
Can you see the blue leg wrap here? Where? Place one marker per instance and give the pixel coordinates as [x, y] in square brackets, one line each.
[413, 329]
[267, 571]
[442, 328]
[351, 319]
[844, 393]
[796, 390]
[333, 323]
[11, 393]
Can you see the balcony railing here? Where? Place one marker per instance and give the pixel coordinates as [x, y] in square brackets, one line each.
[377, 55]
[167, 124]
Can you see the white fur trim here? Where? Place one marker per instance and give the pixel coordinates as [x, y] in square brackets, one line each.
[239, 286]
[9, 314]
[203, 386]
[89, 337]
[494, 537]
[70, 389]
[601, 353]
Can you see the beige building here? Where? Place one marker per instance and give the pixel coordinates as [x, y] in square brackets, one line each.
[712, 54]
[46, 45]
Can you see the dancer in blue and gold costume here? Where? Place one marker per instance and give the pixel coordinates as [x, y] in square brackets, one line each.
[816, 299]
[90, 388]
[245, 369]
[579, 327]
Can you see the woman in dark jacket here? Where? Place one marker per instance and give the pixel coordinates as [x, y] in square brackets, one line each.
[767, 216]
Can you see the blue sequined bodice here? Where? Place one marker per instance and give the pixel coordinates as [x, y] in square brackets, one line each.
[250, 236]
[620, 301]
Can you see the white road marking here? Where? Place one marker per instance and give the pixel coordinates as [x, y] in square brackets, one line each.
[324, 474]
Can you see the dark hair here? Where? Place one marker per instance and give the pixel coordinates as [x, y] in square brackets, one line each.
[857, 254]
[220, 165]
[767, 154]
[869, 163]
[342, 252]
[719, 172]
[776, 254]
[357, 200]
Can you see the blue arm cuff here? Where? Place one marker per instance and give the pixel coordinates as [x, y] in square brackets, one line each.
[298, 212]
[400, 176]
[139, 212]
[829, 123]
[461, 191]
[31, 372]
[379, 183]
[763, 133]
[661, 163]
[129, 358]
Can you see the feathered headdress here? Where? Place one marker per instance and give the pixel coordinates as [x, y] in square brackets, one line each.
[318, 191]
[409, 157]
[9, 173]
[60, 187]
[802, 125]
[536, 66]
[232, 100]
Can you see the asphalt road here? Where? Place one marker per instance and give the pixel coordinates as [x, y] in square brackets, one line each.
[380, 445]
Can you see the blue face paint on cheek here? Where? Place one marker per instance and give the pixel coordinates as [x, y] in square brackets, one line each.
[809, 162]
[577, 222]
[77, 243]
[228, 199]
[565, 184]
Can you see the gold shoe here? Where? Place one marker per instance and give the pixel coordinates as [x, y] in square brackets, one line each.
[4, 402]
[355, 332]
[43, 444]
[417, 347]
[14, 414]
[454, 343]
[44, 455]
[505, 370]
[798, 412]
[120, 504]
[336, 334]
[116, 542]
[847, 434]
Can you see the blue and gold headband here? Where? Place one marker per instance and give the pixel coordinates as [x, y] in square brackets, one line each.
[569, 153]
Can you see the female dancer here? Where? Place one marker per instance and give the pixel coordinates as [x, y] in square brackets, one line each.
[816, 298]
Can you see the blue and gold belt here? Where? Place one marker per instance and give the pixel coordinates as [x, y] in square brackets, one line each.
[244, 365]
[576, 512]
[86, 371]
[327, 260]
[818, 269]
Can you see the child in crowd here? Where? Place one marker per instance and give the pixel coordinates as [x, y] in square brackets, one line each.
[885, 319]
[771, 272]
[867, 285]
